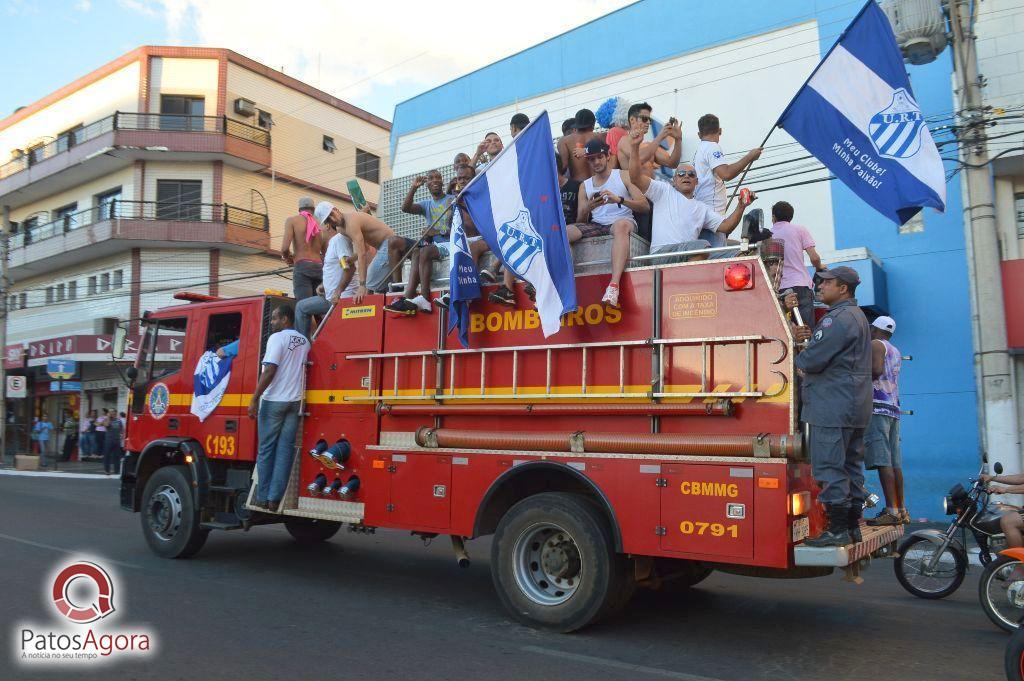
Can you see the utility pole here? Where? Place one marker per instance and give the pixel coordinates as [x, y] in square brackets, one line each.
[5, 236]
[992, 360]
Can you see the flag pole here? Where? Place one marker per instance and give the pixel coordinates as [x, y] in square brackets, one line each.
[799, 90]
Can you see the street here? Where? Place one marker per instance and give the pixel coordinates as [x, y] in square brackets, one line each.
[257, 606]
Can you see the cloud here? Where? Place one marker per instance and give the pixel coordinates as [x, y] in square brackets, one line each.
[349, 50]
[83, 5]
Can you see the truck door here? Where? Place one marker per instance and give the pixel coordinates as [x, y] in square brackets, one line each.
[220, 392]
[160, 390]
[707, 509]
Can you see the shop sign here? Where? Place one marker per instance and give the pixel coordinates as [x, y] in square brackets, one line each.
[61, 368]
[17, 387]
[65, 386]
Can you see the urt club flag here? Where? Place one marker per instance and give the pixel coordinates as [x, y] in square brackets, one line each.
[858, 116]
[516, 206]
[209, 382]
[463, 283]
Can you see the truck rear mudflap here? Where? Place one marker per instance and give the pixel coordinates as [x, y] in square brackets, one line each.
[878, 542]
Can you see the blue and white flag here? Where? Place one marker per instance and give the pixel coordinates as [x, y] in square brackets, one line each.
[517, 208]
[463, 282]
[209, 383]
[858, 116]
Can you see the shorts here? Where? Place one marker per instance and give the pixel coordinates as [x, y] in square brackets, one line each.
[695, 245]
[882, 442]
[592, 229]
[380, 266]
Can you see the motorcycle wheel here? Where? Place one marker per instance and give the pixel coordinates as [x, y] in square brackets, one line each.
[992, 592]
[948, 575]
[1013, 659]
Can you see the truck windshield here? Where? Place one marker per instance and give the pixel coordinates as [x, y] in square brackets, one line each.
[159, 355]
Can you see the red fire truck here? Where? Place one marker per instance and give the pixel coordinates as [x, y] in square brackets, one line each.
[643, 446]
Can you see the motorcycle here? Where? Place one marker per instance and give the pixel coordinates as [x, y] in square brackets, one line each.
[1001, 590]
[1013, 659]
[931, 563]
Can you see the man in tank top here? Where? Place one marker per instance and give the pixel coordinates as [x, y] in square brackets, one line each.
[607, 202]
[882, 438]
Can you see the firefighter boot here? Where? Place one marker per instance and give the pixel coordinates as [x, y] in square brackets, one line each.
[836, 534]
[853, 521]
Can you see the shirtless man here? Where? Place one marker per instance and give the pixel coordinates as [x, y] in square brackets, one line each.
[303, 232]
[651, 153]
[490, 147]
[571, 148]
[364, 230]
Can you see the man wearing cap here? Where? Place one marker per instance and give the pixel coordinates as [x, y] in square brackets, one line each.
[607, 203]
[882, 439]
[836, 404]
[339, 281]
[572, 148]
[302, 232]
[364, 230]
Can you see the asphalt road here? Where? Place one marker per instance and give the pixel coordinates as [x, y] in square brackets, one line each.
[256, 606]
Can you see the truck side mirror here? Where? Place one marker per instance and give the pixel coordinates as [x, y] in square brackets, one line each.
[120, 341]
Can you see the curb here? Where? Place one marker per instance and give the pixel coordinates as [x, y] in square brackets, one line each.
[59, 474]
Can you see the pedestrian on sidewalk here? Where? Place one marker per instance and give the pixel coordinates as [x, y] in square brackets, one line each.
[42, 430]
[112, 444]
[70, 428]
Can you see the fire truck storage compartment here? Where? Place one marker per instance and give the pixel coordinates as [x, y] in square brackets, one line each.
[707, 509]
[420, 491]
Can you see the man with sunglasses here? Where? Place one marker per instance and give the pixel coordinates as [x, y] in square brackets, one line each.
[607, 204]
[651, 153]
[713, 171]
[678, 217]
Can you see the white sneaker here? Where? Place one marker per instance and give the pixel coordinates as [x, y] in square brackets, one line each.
[422, 303]
[611, 295]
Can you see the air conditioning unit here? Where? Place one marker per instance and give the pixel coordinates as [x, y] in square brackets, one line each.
[245, 107]
[920, 28]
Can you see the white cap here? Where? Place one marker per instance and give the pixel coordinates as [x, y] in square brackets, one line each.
[885, 324]
[323, 210]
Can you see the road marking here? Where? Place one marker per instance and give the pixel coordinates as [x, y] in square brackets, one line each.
[615, 664]
[50, 547]
[58, 474]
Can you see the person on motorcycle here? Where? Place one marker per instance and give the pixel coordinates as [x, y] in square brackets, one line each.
[1012, 523]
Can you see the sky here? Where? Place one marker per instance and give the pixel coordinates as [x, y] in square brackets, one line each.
[339, 46]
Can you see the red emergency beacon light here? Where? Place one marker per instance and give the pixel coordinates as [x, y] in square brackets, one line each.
[738, 277]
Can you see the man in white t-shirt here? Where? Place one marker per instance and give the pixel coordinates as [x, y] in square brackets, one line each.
[713, 171]
[276, 401]
[678, 217]
[339, 282]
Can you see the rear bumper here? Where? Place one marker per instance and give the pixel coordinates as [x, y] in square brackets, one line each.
[875, 540]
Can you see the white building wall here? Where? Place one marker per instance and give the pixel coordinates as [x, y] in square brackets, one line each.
[118, 91]
[177, 76]
[84, 195]
[1000, 27]
[236, 265]
[746, 83]
[82, 315]
[166, 271]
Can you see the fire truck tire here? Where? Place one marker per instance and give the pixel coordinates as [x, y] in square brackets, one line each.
[311, 530]
[170, 520]
[553, 563]
[691, 575]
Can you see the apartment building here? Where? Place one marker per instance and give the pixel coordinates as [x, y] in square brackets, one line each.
[166, 169]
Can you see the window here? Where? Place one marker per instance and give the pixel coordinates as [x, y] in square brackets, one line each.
[914, 225]
[106, 204]
[104, 282]
[178, 199]
[118, 278]
[49, 294]
[28, 226]
[68, 139]
[181, 113]
[92, 286]
[66, 215]
[329, 144]
[1018, 204]
[23, 301]
[264, 119]
[60, 293]
[155, 331]
[367, 166]
[72, 290]
[223, 329]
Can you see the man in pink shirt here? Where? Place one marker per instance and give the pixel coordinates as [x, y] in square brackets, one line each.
[794, 274]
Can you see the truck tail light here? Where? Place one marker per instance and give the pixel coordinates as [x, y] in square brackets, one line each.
[739, 276]
[800, 503]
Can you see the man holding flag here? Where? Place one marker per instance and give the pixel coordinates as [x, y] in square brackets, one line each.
[515, 206]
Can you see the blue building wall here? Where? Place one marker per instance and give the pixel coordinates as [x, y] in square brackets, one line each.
[926, 273]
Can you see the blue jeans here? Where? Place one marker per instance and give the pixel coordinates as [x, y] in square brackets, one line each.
[306, 308]
[278, 422]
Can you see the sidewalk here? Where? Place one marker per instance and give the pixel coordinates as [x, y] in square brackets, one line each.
[76, 468]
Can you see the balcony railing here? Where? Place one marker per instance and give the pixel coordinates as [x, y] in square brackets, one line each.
[142, 210]
[124, 120]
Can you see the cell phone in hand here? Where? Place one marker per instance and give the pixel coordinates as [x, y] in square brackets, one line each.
[356, 192]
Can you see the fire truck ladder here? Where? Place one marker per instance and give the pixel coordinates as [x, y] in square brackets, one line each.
[441, 391]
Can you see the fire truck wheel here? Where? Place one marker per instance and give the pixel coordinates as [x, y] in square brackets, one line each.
[170, 521]
[553, 563]
[311, 530]
[680, 575]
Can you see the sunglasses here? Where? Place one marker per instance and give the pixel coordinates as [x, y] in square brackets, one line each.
[643, 119]
[686, 173]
